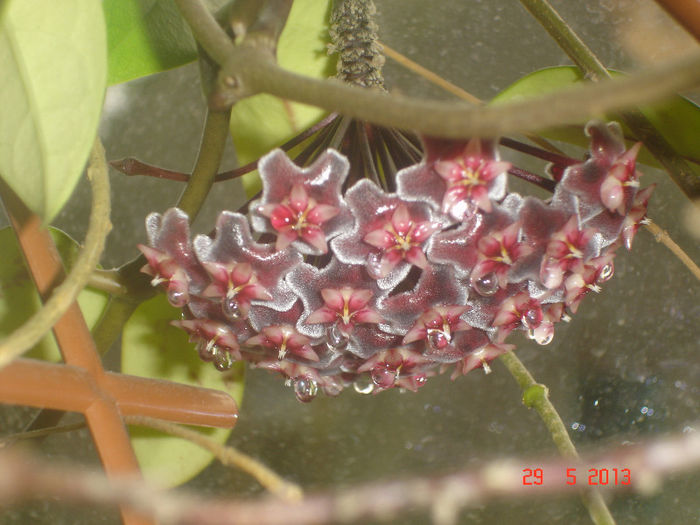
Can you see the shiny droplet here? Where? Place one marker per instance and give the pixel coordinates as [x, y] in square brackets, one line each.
[437, 339]
[207, 350]
[305, 389]
[177, 298]
[532, 318]
[363, 385]
[336, 339]
[384, 376]
[605, 273]
[230, 308]
[486, 285]
[374, 265]
[223, 360]
[545, 338]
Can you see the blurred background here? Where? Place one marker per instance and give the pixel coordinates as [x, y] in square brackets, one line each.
[627, 367]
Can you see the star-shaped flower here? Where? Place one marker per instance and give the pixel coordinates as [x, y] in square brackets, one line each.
[498, 252]
[284, 340]
[520, 309]
[303, 206]
[565, 247]
[255, 270]
[390, 234]
[400, 367]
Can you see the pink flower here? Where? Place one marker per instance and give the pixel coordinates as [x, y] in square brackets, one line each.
[469, 178]
[481, 358]
[284, 339]
[237, 284]
[396, 367]
[497, 252]
[622, 174]
[164, 270]
[299, 217]
[437, 326]
[211, 335]
[563, 250]
[515, 311]
[636, 215]
[401, 238]
[346, 306]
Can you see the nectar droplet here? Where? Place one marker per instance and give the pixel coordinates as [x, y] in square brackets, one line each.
[532, 318]
[374, 265]
[305, 389]
[384, 376]
[605, 273]
[486, 285]
[336, 339]
[223, 360]
[544, 339]
[363, 385]
[207, 350]
[230, 308]
[437, 339]
[177, 298]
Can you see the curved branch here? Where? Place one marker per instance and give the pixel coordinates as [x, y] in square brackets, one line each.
[63, 296]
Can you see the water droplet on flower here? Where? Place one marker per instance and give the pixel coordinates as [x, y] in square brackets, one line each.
[486, 285]
[177, 298]
[207, 350]
[437, 339]
[605, 273]
[363, 385]
[230, 308]
[374, 265]
[532, 318]
[222, 360]
[384, 376]
[545, 338]
[336, 339]
[305, 389]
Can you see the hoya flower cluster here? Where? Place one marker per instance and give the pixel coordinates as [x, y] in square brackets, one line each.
[383, 290]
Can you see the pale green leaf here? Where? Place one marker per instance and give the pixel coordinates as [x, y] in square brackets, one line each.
[54, 67]
[19, 299]
[152, 347]
[263, 122]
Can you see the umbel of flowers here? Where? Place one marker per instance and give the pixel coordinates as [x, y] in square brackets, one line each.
[381, 290]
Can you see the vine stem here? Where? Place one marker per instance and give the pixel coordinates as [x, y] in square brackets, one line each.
[65, 294]
[227, 455]
[536, 395]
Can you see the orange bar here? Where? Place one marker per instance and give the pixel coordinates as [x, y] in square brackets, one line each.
[171, 401]
[686, 13]
[46, 385]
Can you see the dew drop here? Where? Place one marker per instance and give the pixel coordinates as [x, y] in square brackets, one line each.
[207, 350]
[486, 285]
[605, 273]
[374, 265]
[384, 376]
[336, 339]
[177, 298]
[363, 385]
[305, 389]
[230, 308]
[222, 360]
[437, 339]
[532, 318]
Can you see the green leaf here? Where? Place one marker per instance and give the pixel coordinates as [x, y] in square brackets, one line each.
[263, 122]
[677, 119]
[152, 347]
[145, 37]
[19, 299]
[54, 67]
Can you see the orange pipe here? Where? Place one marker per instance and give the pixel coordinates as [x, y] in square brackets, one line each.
[686, 13]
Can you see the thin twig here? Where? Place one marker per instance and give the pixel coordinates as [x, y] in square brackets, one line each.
[23, 477]
[664, 238]
[40, 433]
[227, 455]
[536, 395]
[63, 296]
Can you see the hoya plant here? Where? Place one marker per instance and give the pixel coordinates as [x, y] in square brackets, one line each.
[375, 258]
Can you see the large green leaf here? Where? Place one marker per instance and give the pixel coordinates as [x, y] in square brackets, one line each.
[263, 122]
[19, 299]
[54, 67]
[144, 37]
[677, 119]
[152, 347]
